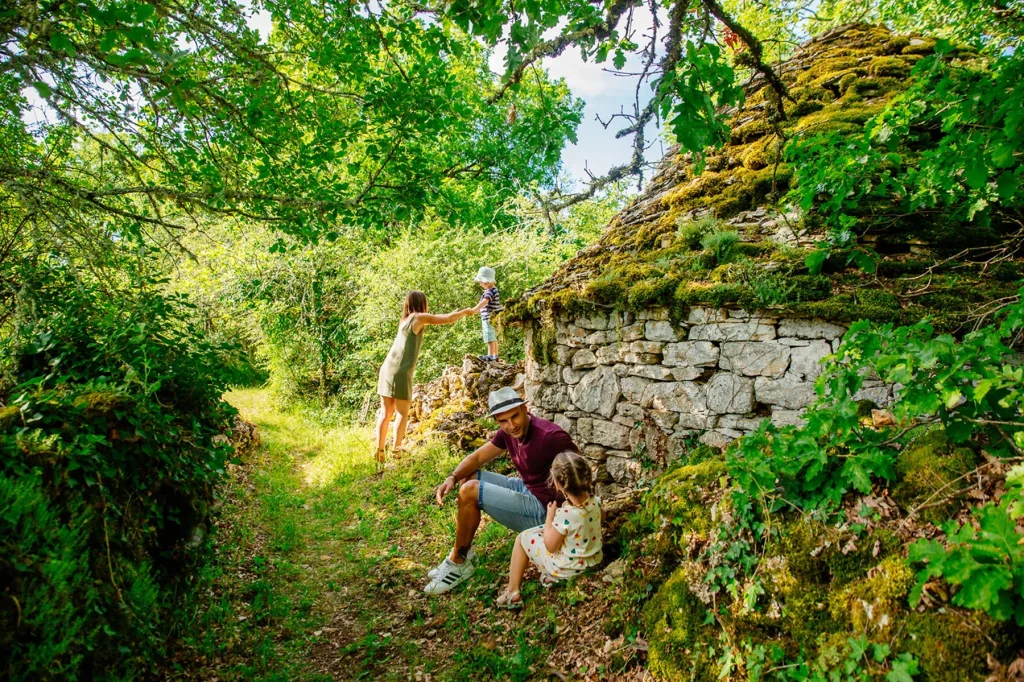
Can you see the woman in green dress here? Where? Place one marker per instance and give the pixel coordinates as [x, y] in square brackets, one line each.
[394, 383]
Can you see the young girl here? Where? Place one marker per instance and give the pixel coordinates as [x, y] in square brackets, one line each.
[569, 542]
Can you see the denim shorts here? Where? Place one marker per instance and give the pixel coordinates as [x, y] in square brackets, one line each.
[489, 334]
[509, 502]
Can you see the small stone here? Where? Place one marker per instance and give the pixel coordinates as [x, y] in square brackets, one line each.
[624, 470]
[728, 392]
[584, 359]
[662, 330]
[686, 373]
[646, 346]
[806, 362]
[653, 314]
[633, 388]
[706, 315]
[665, 420]
[882, 418]
[563, 354]
[810, 329]
[611, 354]
[572, 376]
[733, 331]
[597, 392]
[614, 571]
[630, 411]
[738, 422]
[879, 395]
[568, 425]
[781, 417]
[763, 358]
[691, 354]
[641, 358]
[600, 338]
[716, 439]
[675, 396]
[633, 332]
[696, 420]
[602, 432]
[593, 452]
[596, 322]
[656, 372]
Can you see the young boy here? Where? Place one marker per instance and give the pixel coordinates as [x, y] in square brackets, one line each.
[489, 303]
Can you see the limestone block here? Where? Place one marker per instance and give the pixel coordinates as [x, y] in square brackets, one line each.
[600, 338]
[653, 314]
[633, 332]
[584, 359]
[597, 392]
[609, 490]
[601, 475]
[706, 315]
[733, 331]
[621, 370]
[543, 414]
[665, 420]
[806, 362]
[603, 432]
[755, 358]
[835, 345]
[641, 358]
[519, 385]
[794, 342]
[675, 396]
[810, 329]
[728, 392]
[596, 322]
[738, 422]
[628, 414]
[554, 397]
[594, 452]
[568, 425]
[624, 470]
[662, 330]
[548, 374]
[573, 337]
[691, 354]
[788, 392]
[877, 394]
[696, 420]
[686, 373]
[656, 372]
[646, 346]
[577, 414]
[563, 354]
[530, 390]
[572, 376]
[611, 354]
[717, 439]
[737, 314]
[633, 388]
[781, 417]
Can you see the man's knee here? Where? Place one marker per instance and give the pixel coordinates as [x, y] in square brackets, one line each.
[469, 492]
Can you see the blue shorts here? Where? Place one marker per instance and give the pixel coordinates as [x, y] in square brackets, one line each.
[509, 502]
[489, 334]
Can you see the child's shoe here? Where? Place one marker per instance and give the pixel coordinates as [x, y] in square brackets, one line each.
[486, 358]
[509, 600]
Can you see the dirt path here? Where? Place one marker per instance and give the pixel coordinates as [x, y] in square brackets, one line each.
[321, 567]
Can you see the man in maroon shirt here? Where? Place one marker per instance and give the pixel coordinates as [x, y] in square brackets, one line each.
[516, 503]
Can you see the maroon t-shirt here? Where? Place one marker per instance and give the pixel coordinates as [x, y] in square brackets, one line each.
[533, 455]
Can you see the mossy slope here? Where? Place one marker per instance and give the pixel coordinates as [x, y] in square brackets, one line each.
[653, 253]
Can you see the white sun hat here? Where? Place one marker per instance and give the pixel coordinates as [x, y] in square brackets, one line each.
[484, 274]
[503, 400]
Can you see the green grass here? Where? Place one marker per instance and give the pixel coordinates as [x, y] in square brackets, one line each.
[319, 570]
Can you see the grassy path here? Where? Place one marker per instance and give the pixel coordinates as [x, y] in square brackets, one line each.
[320, 568]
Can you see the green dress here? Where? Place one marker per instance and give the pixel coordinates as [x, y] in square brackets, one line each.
[395, 378]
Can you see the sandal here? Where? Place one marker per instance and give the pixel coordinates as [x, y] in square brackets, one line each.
[508, 600]
[547, 582]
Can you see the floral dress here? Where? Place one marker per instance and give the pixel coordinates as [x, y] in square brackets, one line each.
[581, 549]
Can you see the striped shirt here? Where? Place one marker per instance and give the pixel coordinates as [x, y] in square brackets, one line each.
[493, 303]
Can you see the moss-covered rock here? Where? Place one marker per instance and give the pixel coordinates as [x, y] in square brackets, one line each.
[951, 644]
[9, 418]
[926, 472]
[679, 634]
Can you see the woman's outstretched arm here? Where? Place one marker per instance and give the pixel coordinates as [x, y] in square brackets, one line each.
[423, 319]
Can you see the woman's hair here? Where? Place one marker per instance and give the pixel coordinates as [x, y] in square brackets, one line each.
[415, 302]
[571, 474]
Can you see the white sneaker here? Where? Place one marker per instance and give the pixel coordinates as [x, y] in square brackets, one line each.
[470, 556]
[450, 575]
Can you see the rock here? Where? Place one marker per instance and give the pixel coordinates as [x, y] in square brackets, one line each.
[879, 395]
[806, 361]
[597, 392]
[614, 571]
[656, 372]
[563, 354]
[548, 374]
[732, 331]
[600, 338]
[691, 354]
[555, 397]
[630, 411]
[696, 420]
[572, 376]
[596, 322]
[641, 358]
[686, 373]
[633, 332]
[706, 315]
[594, 452]
[764, 358]
[794, 342]
[716, 439]
[882, 418]
[664, 419]
[611, 354]
[781, 417]
[738, 422]
[602, 432]
[584, 359]
[788, 392]
[568, 425]
[727, 392]
[623, 469]
[675, 396]
[653, 314]
[633, 388]
[662, 330]
[810, 329]
[646, 346]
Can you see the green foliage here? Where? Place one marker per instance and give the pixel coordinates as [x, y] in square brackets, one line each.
[110, 463]
[721, 245]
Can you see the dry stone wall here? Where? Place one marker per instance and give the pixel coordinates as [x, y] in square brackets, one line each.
[625, 385]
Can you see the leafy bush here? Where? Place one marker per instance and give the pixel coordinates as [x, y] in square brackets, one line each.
[112, 442]
[721, 245]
